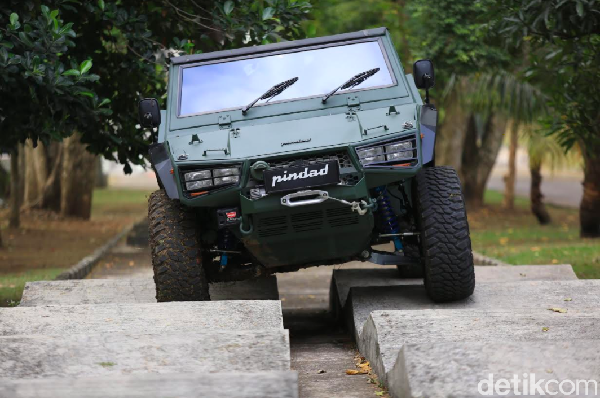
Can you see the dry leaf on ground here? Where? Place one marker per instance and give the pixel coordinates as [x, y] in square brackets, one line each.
[557, 309]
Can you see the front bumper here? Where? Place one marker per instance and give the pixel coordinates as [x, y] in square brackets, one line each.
[356, 180]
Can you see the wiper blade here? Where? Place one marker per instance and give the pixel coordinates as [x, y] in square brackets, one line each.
[352, 82]
[271, 93]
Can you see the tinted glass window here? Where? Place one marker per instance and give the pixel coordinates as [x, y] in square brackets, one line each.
[227, 85]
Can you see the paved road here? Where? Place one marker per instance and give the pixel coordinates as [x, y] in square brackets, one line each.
[558, 190]
[561, 187]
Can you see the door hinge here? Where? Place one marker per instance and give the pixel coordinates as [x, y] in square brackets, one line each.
[224, 122]
[354, 103]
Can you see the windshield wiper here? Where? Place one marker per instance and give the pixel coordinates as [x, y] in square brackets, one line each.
[271, 93]
[352, 82]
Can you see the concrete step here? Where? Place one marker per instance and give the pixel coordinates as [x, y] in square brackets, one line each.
[107, 354]
[348, 278]
[456, 369]
[386, 332]
[273, 384]
[138, 290]
[541, 295]
[187, 316]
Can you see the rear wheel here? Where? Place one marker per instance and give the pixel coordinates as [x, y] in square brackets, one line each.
[445, 242]
[178, 270]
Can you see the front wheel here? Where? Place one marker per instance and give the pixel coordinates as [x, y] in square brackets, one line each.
[178, 270]
[445, 242]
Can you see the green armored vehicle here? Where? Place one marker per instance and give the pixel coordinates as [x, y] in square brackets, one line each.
[297, 154]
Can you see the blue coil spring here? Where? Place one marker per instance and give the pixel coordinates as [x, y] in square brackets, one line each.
[389, 220]
[225, 243]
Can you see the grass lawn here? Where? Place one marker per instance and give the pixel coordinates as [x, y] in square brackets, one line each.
[517, 238]
[47, 244]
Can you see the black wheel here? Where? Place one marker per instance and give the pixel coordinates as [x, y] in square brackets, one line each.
[444, 235]
[178, 270]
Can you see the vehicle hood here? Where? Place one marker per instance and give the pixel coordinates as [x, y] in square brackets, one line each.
[262, 140]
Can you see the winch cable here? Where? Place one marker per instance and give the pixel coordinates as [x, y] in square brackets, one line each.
[356, 206]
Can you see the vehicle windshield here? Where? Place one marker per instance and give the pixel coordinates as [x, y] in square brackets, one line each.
[234, 84]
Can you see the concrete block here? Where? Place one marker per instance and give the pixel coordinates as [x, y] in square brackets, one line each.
[137, 290]
[386, 332]
[187, 316]
[273, 384]
[107, 354]
[348, 278]
[455, 369]
[530, 294]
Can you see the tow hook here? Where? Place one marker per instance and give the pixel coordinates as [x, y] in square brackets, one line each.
[311, 197]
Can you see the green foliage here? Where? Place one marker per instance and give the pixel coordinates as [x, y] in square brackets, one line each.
[505, 92]
[343, 16]
[40, 99]
[45, 63]
[454, 34]
[565, 42]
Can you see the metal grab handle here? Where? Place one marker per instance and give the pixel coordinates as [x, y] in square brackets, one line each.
[311, 197]
[385, 127]
[216, 150]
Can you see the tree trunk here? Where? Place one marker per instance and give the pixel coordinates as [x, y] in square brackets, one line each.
[35, 173]
[77, 179]
[51, 191]
[451, 134]
[479, 158]
[538, 208]
[101, 178]
[510, 177]
[4, 182]
[589, 209]
[15, 190]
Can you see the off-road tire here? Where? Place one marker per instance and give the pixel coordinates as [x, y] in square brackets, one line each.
[178, 270]
[444, 234]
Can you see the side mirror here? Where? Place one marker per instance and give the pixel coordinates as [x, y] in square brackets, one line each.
[423, 74]
[149, 113]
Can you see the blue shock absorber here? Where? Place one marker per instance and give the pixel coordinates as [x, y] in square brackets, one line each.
[389, 220]
[225, 241]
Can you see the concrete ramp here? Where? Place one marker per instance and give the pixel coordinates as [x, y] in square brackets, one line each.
[460, 369]
[386, 332]
[274, 384]
[521, 319]
[541, 295]
[136, 290]
[345, 279]
[70, 356]
[175, 317]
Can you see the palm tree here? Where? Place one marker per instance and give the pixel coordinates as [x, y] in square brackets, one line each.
[520, 101]
[543, 149]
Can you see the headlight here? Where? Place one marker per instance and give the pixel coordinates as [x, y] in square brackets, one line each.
[231, 171]
[398, 147]
[197, 175]
[385, 154]
[370, 152]
[372, 159]
[211, 178]
[227, 180]
[400, 155]
[192, 186]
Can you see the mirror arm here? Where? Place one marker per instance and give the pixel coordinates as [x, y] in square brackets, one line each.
[427, 79]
